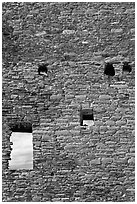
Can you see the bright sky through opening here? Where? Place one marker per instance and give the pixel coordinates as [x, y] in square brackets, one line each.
[22, 151]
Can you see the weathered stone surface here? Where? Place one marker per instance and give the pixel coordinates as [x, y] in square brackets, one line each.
[95, 161]
[71, 162]
[116, 30]
[41, 33]
[110, 123]
[131, 161]
[80, 97]
[107, 160]
[121, 122]
[56, 97]
[75, 132]
[68, 32]
[119, 86]
[105, 97]
[62, 132]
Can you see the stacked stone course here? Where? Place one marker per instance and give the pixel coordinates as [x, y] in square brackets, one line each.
[76, 38]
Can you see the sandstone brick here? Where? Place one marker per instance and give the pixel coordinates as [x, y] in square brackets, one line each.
[105, 97]
[41, 33]
[133, 132]
[36, 132]
[69, 96]
[56, 97]
[132, 150]
[103, 128]
[100, 146]
[80, 97]
[98, 123]
[107, 160]
[75, 132]
[37, 143]
[113, 30]
[130, 11]
[95, 161]
[121, 122]
[62, 132]
[99, 109]
[110, 123]
[70, 147]
[132, 160]
[119, 86]
[45, 137]
[60, 34]
[74, 123]
[121, 161]
[68, 32]
[131, 122]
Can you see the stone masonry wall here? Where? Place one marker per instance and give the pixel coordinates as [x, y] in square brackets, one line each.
[70, 163]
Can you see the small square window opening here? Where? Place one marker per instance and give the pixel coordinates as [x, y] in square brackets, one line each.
[86, 117]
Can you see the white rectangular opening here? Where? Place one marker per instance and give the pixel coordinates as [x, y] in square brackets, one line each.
[22, 151]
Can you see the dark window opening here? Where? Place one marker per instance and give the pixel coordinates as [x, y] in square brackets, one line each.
[21, 127]
[86, 117]
[126, 67]
[43, 69]
[109, 69]
[52, 174]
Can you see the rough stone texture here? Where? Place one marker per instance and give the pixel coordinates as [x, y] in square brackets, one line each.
[70, 163]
